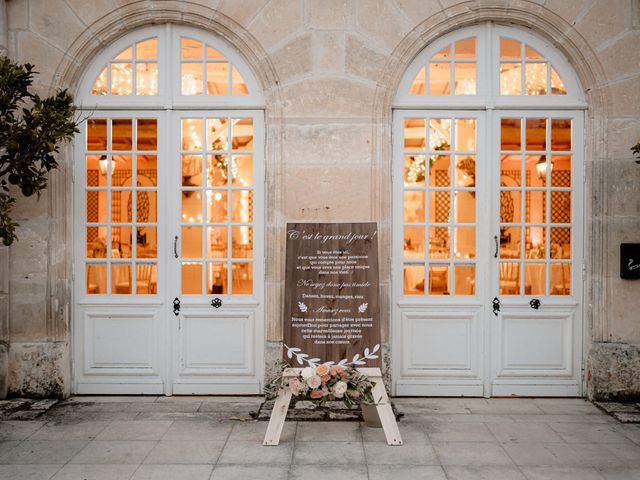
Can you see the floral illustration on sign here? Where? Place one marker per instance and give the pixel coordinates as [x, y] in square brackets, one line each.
[363, 308]
[357, 360]
[303, 307]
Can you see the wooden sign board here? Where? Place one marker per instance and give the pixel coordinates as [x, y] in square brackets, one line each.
[630, 260]
[331, 295]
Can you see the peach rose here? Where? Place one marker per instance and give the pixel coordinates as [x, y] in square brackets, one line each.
[316, 394]
[325, 378]
[336, 370]
[322, 370]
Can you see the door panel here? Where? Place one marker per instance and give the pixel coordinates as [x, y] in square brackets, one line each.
[537, 332]
[440, 236]
[217, 346]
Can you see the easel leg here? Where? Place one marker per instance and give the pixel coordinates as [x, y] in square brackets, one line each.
[385, 412]
[278, 416]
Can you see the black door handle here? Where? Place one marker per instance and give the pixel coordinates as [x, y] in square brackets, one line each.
[216, 303]
[496, 306]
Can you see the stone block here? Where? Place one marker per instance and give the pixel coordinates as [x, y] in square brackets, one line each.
[622, 58]
[328, 144]
[613, 372]
[627, 417]
[362, 61]
[604, 20]
[89, 12]
[625, 98]
[55, 23]
[328, 194]
[39, 370]
[294, 59]
[241, 12]
[622, 299]
[328, 50]
[276, 23]
[328, 98]
[382, 22]
[417, 11]
[18, 14]
[4, 269]
[329, 14]
[4, 370]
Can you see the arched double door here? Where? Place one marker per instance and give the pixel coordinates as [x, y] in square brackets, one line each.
[487, 243]
[168, 177]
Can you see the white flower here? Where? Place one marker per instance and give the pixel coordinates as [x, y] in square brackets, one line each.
[314, 381]
[308, 372]
[296, 386]
[339, 389]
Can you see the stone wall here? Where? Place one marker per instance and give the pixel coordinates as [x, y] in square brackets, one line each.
[614, 372]
[329, 69]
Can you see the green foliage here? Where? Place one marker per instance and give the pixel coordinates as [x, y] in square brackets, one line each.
[636, 151]
[31, 131]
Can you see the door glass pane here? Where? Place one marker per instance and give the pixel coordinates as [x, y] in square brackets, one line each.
[242, 278]
[191, 206]
[217, 242]
[510, 206]
[440, 206]
[147, 134]
[414, 206]
[413, 279]
[465, 78]
[440, 134]
[465, 207]
[147, 242]
[414, 170]
[417, 86]
[217, 134]
[465, 170]
[438, 279]
[510, 134]
[242, 242]
[464, 280]
[147, 78]
[465, 134]
[191, 242]
[96, 279]
[242, 170]
[560, 242]
[509, 278]
[191, 278]
[121, 134]
[242, 206]
[96, 134]
[146, 278]
[561, 134]
[560, 281]
[535, 241]
[414, 242]
[96, 242]
[439, 246]
[242, 130]
[536, 133]
[535, 278]
[217, 170]
[464, 243]
[439, 170]
[510, 49]
[217, 278]
[121, 278]
[121, 78]
[216, 206]
[536, 210]
[509, 242]
[561, 207]
[414, 134]
[191, 170]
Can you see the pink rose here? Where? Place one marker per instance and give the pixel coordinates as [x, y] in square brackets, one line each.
[314, 381]
[339, 389]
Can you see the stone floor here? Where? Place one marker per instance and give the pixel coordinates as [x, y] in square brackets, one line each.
[112, 438]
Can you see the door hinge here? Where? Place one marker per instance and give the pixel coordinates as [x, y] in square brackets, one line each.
[176, 306]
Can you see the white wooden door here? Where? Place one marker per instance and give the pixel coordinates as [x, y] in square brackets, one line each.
[536, 263]
[499, 315]
[216, 279]
[441, 271]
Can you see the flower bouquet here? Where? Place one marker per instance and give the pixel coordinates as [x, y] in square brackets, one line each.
[327, 383]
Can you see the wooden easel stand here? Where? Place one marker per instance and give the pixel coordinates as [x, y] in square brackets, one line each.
[383, 407]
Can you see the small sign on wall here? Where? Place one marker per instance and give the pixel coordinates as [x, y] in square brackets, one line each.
[630, 260]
